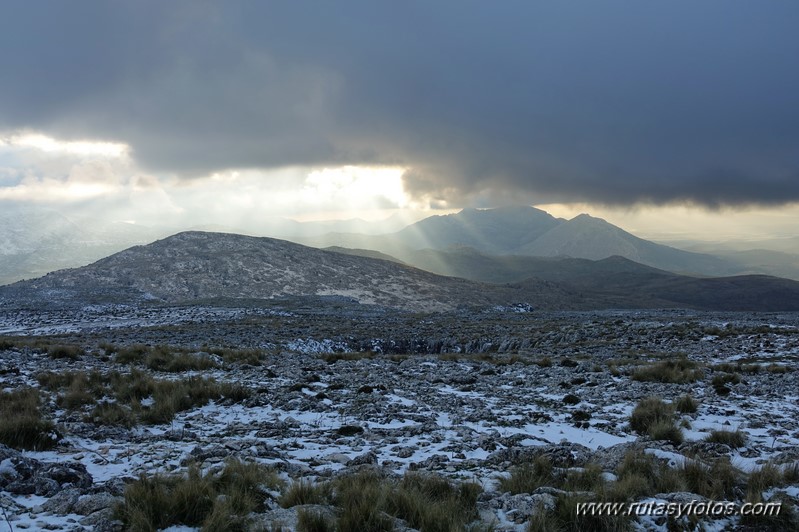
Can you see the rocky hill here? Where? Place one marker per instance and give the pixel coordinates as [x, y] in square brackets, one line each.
[194, 266]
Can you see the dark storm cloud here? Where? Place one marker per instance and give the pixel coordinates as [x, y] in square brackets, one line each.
[612, 102]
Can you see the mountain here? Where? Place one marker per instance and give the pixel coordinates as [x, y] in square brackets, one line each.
[587, 237]
[495, 231]
[195, 266]
[532, 232]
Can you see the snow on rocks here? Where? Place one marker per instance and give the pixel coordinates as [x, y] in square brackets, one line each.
[320, 407]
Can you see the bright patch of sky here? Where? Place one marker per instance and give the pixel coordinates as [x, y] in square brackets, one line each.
[100, 178]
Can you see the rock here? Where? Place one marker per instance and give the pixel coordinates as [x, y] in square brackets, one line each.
[339, 458]
[368, 458]
[103, 521]
[88, 504]
[62, 503]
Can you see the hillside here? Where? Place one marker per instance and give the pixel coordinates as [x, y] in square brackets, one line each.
[196, 266]
[614, 282]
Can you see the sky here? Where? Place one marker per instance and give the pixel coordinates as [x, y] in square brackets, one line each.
[674, 118]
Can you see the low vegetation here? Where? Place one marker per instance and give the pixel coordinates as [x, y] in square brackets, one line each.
[678, 370]
[686, 404]
[655, 418]
[733, 438]
[70, 352]
[126, 399]
[368, 500]
[22, 424]
[215, 501]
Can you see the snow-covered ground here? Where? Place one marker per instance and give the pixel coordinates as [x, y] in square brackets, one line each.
[468, 417]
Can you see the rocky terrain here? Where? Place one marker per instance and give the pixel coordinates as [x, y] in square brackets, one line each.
[193, 266]
[526, 411]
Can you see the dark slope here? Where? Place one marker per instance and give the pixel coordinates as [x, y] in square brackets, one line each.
[616, 281]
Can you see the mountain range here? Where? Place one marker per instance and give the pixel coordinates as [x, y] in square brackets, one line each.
[527, 231]
[193, 267]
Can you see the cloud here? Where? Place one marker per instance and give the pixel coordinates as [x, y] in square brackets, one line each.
[481, 102]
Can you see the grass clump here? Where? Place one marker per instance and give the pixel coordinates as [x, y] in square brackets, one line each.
[128, 398]
[22, 425]
[244, 357]
[733, 438]
[164, 359]
[655, 418]
[430, 502]
[131, 354]
[639, 475]
[314, 521]
[68, 352]
[370, 501]
[361, 500]
[760, 480]
[565, 518]
[648, 412]
[715, 481]
[679, 370]
[213, 501]
[529, 477]
[302, 492]
[686, 404]
[666, 431]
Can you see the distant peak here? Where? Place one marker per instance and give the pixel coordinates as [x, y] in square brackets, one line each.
[587, 218]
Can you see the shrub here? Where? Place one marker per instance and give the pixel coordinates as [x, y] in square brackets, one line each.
[680, 370]
[767, 476]
[587, 479]
[570, 399]
[648, 412]
[217, 502]
[687, 404]
[715, 481]
[429, 502]
[131, 354]
[734, 439]
[302, 492]
[314, 521]
[69, 352]
[162, 359]
[529, 477]
[124, 394]
[361, 499]
[22, 425]
[666, 430]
